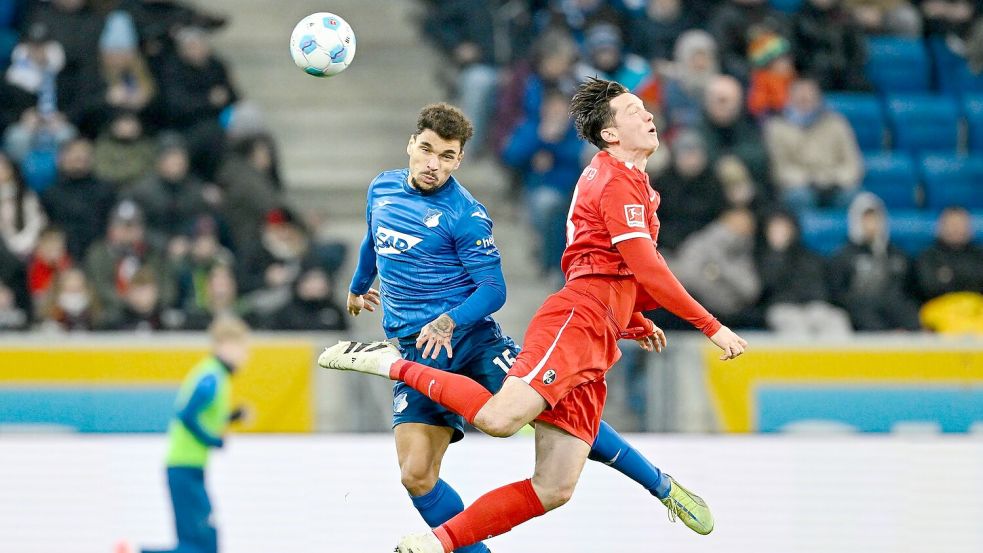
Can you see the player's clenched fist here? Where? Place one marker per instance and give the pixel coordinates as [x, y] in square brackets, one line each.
[367, 301]
[732, 344]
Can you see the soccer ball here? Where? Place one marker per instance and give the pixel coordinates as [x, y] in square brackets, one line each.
[322, 44]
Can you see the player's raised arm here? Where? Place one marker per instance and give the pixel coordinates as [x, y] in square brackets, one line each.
[653, 274]
[637, 248]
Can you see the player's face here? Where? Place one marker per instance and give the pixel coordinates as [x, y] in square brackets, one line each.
[633, 127]
[432, 160]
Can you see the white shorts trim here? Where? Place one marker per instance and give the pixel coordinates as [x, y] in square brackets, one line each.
[629, 236]
[542, 362]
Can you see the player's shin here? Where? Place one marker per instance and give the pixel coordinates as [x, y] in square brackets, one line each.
[440, 505]
[613, 450]
[494, 513]
[458, 393]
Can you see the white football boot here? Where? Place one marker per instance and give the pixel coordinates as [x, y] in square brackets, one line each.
[364, 357]
[420, 543]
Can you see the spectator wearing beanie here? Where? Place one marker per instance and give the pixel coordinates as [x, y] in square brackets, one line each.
[772, 74]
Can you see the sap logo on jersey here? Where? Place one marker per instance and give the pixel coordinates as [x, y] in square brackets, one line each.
[391, 241]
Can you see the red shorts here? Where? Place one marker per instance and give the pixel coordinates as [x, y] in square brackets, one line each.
[570, 344]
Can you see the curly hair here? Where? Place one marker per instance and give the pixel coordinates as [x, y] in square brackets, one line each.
[447, 121]
[591, 108]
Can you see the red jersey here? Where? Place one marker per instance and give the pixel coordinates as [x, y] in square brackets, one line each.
[612, 202]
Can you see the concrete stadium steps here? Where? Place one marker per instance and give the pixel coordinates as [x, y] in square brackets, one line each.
[336, 134]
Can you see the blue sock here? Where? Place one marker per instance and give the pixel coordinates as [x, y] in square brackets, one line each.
[612, 450]
[441, 504]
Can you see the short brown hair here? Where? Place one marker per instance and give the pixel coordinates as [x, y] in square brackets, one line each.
[227, 328]
[591, 108]
[447, 121]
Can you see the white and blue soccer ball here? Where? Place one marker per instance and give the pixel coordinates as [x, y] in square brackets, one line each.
[322, 44]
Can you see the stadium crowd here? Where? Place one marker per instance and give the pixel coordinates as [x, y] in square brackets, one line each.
[138, 191]
[822, 162]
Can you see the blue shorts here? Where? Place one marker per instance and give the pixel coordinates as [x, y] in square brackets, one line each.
[481, 353]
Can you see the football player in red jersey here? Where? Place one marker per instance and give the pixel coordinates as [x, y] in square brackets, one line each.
[614, 272]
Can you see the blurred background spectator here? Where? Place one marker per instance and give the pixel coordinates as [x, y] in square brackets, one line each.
[21, 216]
[870, 276]
[79, 202]
[545, 151]
[815, 159]
[953, 263]
[830, 45]
[794, 293]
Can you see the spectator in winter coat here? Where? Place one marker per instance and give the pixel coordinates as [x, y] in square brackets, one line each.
[112, 263]
[21, 216]
[717, 265]
[48, 260]
[79, 202]
[171, 195]
[546, 153]
[652, 34]
[734, 24]
[694, 67]
[794, 292]
[691, 195]
[123, 153]
[815, 158]
[310, 306]
[726, 129]
[772, 73]
[829, 46]
[870, 276]
[953, 263]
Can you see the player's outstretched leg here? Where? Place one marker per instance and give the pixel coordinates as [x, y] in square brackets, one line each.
[458, 393]
[373, 358]
[613, 450]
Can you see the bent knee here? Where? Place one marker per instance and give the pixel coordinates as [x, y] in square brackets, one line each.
[418, 479]
[554, 495]
[498, 426]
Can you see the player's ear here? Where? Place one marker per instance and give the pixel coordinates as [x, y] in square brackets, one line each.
[409, 145]
[460, 158]
[609, 134]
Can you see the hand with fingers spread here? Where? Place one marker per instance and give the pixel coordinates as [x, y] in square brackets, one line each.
[435, 335]
[367, 301]
[732, 344]
[644, 331]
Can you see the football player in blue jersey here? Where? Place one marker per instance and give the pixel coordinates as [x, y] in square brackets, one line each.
[430, 243]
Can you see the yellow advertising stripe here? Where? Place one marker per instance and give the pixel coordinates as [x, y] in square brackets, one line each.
[276, 383]
[731, 383]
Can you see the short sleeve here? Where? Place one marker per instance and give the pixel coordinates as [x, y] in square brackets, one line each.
[625, 211]
[474, 240]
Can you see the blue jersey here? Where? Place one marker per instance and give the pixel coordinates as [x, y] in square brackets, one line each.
[427, 250]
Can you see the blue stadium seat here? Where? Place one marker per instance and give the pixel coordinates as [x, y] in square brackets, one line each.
[953, 180]
[912, 230]
[896, 64]
[823, 230]
[786, 6]
[952, 74]
[8, 11]
[922, 123]
[866, 116]
[893, 178]
[8, 39]
[973, 111]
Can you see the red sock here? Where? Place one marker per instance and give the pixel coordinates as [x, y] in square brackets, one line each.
[455, 392]
[494, 513]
